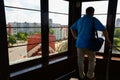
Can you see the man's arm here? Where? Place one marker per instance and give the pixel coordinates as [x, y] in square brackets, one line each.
[105, 33]
[74, 33]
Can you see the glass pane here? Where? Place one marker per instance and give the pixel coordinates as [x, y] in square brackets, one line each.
[18, 15]
[60, 6]
[31, 4]
[58, 29]
[24, 34]
[100, 6]
[100, 13]
[118, 6]
[116, 39]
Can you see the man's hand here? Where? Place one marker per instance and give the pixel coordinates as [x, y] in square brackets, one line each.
[108, 43]
[74, 34]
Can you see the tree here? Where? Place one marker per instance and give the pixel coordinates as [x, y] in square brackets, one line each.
[21, 36]
[37, 32]
[12, 39]
[117, 32]
[51, 31]
[117, 38]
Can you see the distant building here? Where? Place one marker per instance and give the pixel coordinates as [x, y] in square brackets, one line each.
[9, 29]
[50, 22]
[117, 24]
[60, 31]
[15, 27]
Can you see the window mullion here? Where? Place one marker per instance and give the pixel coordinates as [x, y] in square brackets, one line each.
[110, 23]
[44, 31]
[4, 63]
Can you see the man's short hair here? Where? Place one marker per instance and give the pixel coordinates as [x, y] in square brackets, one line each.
[90, 10]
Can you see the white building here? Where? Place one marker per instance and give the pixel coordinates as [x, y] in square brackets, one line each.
[117, 24]
[24, 27]
[60, 31]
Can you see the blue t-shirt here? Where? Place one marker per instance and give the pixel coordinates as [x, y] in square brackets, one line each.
[83, 26]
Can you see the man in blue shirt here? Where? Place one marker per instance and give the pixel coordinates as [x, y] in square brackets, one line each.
[83, 26]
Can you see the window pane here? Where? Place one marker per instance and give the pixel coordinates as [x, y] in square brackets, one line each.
[60, 6]
[118, 6]
[101, 7]
[18, 15]
[23, 34]
[100, 13]
[58, 29]
[116, 40]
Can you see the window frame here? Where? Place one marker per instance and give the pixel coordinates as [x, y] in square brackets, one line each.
[4, 70]
[45, 59]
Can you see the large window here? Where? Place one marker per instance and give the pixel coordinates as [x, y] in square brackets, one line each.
[23, 20]
[58, 26]
[23, 30]
[100, 13]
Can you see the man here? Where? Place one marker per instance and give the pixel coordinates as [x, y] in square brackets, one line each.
[83, 26]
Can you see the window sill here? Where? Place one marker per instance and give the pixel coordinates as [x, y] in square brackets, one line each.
[25, 70]
[36, 67]
[58, 60]
[115, 58]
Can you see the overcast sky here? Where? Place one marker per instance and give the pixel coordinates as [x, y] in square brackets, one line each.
[17, 15]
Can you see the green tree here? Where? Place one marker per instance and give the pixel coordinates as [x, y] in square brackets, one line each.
[37, 32]
[12, 39]
[51, 31]
[117, 38]
[22, 36]
[117, 32]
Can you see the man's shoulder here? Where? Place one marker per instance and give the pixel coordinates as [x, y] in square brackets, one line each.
[95, 18]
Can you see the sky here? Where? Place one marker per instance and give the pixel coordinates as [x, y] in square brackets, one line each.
[17, 15]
